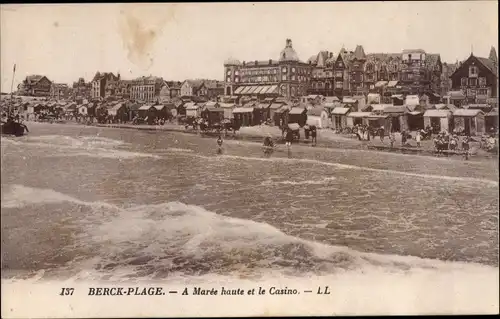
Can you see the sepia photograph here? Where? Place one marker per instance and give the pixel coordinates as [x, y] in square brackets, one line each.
[249, 159]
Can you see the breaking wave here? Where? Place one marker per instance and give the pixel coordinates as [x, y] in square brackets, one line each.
[91, 146]
[175, 240]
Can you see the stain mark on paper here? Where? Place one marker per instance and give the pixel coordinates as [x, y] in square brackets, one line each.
[140, 29]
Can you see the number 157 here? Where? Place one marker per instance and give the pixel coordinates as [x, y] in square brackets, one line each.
[67, 291]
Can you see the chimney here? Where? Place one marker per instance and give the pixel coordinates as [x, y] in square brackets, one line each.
[256, 63]
[289, 43]
[270, 61]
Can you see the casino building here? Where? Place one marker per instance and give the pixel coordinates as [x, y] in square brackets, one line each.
[288, 76]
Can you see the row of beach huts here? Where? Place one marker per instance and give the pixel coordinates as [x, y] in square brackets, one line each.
[409, 114]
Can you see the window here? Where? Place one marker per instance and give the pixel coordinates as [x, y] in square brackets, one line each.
[482, 81]
[283, 70]
[482, 92]
[472, 82]
[236, 73]
[464, 81]
[339, 85]
[293, 70]
[473, 71]
[471, 92]
[283, 78]
[338, 74]
[236, 80]
[228, 72]
[293, 77]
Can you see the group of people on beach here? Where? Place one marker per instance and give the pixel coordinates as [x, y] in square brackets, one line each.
[365, 132]
[268, 143]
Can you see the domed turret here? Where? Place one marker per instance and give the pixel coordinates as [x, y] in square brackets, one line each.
[231, 61]
[288, 53]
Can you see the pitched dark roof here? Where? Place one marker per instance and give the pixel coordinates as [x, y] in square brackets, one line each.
[195, 83]
[174, 84]
[489, 64]
[359, 53]
[35, 78]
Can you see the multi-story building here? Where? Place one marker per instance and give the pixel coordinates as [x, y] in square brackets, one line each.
[60, 91]
[81, 89]
[191, 87]
[146, 89]
[174, 88]
[421, 72]
[287, 76]
[211, 89]
[202, 88]
[99, 84]
[170, 90]
[446, 84]
[118, 88]
[477, 78]
[35, 85]
[356, 73]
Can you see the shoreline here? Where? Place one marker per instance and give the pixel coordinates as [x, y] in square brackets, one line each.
[326, 139]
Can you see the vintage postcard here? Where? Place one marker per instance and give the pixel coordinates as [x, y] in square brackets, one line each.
[249, 159]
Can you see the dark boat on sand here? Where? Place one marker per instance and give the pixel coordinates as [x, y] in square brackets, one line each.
[11, 127]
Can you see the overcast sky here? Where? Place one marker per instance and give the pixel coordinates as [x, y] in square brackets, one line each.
[180, 41]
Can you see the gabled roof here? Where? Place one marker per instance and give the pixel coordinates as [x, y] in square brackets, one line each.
[35, 78]
[174, 84]
[489, 64]
[194, 83]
